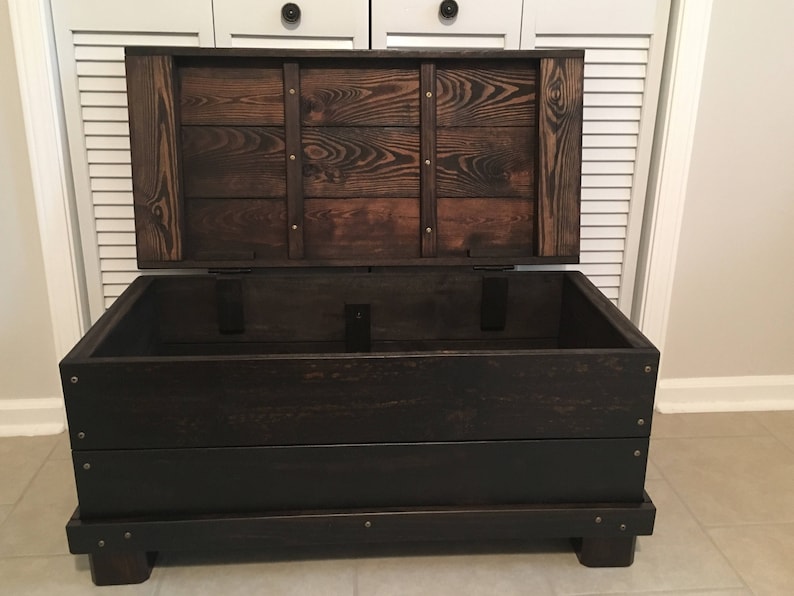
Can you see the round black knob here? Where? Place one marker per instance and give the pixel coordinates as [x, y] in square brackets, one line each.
[448, 9]
[291, 13]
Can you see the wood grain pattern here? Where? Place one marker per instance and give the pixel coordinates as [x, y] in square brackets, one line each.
[234, 229]
[154, 151]
[292, 126]
[226, 161]
[363, 162]
[360, 96]
[489, 94]
[492, 224]
[223, 95]
[486, 162]
[428, 156]
[364, 228]
[559, 156]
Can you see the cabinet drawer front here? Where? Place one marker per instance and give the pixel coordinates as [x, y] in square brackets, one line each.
[238, 480]
[419, 24]
[341, 25]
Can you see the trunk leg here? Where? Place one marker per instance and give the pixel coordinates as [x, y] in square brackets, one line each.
[605, 552]
[111, 569]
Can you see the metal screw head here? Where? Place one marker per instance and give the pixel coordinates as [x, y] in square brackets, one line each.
[427, 162]
[101, 543]
[86, 466]
[81, 435]
[637, 453]
[641, 422]
[294, 226]
[428, 230]
[648, 369]
[622, 527]
[292, 157]
[598, 520]
[292, 91]
[428, 94]
[367, 524]
[127, 535]
[73, 380]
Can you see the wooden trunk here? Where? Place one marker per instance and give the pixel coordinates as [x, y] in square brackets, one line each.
[360, 367]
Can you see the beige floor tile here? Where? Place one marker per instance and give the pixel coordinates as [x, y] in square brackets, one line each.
[62, 449]
[463, 575]
[198, 574]
[736, 592]
[679, 556]
[727, 481]
[36, 524]
[763, 556]
[780, 424]
[719, 424]
[652, 472]
[59, 576]
[4, 511]
[20, 459]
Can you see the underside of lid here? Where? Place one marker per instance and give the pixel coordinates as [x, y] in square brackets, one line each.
[247, 159]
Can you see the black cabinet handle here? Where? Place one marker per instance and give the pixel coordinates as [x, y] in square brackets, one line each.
[291, 12]
[448, 9]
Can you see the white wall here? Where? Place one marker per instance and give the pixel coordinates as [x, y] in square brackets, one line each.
[732, 308]
[27, 350]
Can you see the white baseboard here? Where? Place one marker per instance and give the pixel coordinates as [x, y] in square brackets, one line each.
[26, 417]
[725, 394]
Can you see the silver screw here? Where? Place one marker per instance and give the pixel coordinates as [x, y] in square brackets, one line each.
[81, 435]
[428, 94]
[292, 157]
[637, 453]
[86, 466]
[622, 527]
[648, 369]
[101, 543]
[127, 535]
[428, 230]
[367, 524]
[641, 422]
[294, 226]
[427, 162]
[598, 519]
[73, 380]
[292, 91]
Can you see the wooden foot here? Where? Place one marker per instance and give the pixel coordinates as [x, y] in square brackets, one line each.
[112, 569]
[605, 552]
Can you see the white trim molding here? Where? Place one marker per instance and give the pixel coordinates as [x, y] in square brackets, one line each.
[31, 416]
[689, 28]
[52, 188]
[725, 394]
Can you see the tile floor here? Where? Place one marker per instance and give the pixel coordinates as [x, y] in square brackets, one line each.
[723, 485]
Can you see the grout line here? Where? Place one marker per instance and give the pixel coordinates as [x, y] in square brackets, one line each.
[757, 417]
[33, 477]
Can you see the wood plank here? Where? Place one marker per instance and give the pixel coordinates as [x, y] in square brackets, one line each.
[483, 162]
[488, 94]
[363, 228]
[154, 139]
[162, 402]
[227, 95]
[490, 225]
[559, 156]
[428, 156]
[239, 162]
[364, 162]
[236, 229]
[347, 531]
[353, 476]
[359, 96]
[295, 223]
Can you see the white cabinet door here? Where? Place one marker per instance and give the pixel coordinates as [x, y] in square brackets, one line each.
[320, 24]
[90, 38]
[420, 24]
[624, 44]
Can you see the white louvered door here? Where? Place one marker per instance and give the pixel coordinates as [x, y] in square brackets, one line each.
[90, 37]
[624, 49]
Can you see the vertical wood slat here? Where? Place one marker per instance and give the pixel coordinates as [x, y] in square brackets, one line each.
[427, 162]
[294, 157]
[154, 149]
[559, 168]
